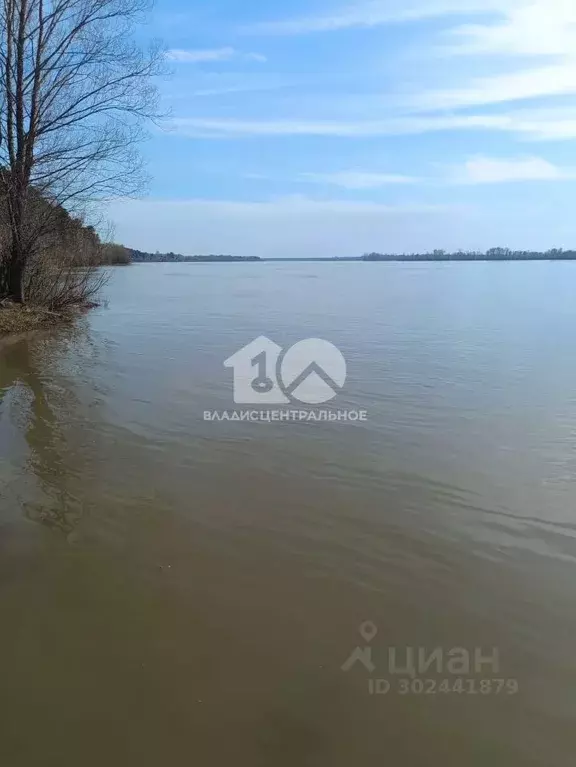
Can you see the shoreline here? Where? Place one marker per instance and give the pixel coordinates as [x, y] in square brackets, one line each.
[16, 320]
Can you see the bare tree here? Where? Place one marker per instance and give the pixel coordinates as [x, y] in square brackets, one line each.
[75, 90]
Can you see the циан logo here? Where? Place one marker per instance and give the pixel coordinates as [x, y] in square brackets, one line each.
[312, 371]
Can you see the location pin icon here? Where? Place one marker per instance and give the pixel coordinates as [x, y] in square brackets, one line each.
[368, 631]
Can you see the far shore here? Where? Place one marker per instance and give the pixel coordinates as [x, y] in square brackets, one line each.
[494, 254]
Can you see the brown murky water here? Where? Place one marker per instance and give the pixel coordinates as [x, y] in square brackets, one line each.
[176, 591]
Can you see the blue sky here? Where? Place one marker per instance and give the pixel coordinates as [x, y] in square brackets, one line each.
[334, 127]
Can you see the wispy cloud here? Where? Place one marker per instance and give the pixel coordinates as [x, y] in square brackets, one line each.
[357, 179]
[555, 80]
[543, 30]
[536, 124]
[232, 128]
[488, 170]
[532, 27]
[259, 57]
[197, 56]
[204, 55]
[372, 14]
[474, 171]
[226, 82]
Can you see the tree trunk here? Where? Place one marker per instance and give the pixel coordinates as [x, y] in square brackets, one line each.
[3, 281]
[16, 283]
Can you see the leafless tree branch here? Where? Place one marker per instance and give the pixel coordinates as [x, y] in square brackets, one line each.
[75, 90]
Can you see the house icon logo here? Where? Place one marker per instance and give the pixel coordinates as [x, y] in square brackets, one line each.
[312, 371]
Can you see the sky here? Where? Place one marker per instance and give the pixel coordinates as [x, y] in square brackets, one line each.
[338, 127]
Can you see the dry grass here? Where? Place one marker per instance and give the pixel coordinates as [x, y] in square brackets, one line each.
[22, 319]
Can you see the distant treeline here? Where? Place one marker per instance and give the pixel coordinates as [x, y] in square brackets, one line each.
[117, 254]
[139, 256]
[494, 254]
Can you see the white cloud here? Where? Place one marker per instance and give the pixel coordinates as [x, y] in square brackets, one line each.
[487, 170]
[234, 128]
[539, 29]
[554, 80]
[476, 170]
[356, 179]
[534, 27]
[536, 124]
[231, 128]
[545, 125]
[373, 14]
[197, 56]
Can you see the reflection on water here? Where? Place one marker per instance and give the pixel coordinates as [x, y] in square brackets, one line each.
[40, 409]
[43, 437]
[184, 591]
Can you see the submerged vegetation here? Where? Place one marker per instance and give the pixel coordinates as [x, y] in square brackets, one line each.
[15, 319]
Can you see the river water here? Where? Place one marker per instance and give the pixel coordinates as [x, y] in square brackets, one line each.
[182, 591]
